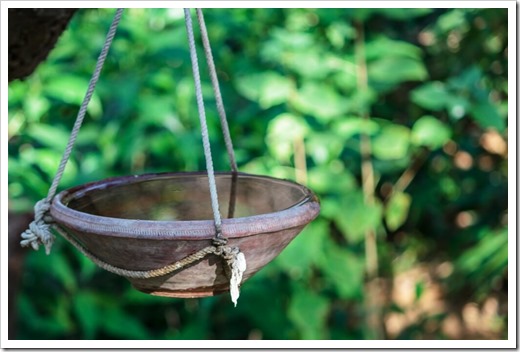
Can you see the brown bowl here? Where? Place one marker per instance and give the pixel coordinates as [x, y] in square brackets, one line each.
[148, 221]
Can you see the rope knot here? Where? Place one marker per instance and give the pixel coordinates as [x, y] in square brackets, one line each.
[236, 262]
[39, 231]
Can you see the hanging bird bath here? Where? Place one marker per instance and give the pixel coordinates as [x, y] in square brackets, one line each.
[165, 232]
[145, 222]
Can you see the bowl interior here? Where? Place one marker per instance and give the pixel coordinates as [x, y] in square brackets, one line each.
[168, 197]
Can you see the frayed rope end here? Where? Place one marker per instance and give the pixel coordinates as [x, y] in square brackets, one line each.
[238, 267]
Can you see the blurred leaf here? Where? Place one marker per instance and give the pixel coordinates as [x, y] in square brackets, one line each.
[485, 261]
[71, 89]
[283, 130]
[345, 271]
[351, 126]
[267, 88]
[396, 211]
[487, 116]
[431, 95]
[305, 250]
[122, 325]
[308, 312]
[323, 147]
[320, 101]
[87, 313]
[327, 179]
[35, 107]
[54, 137]
[430, 132]
[404, 14]
[452, 19]
[391, 143]
[383, 47]
[392, 70]
[355, 217]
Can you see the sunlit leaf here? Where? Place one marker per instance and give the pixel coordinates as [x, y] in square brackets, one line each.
[351, 126]
[320, 101]
[283, 131]
[431, 95]
[392, 70]
[71, 89]
[355, 217]
[396, 211]
[267, 88]
[391, 143]
[430, 132]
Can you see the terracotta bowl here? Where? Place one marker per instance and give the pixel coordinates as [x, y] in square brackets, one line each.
[148, 221]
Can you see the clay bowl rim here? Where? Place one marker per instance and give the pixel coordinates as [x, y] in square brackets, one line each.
[299, 214]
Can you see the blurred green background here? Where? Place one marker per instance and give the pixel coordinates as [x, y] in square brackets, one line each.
[396, 118]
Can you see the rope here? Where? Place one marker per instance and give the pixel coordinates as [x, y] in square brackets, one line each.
[221, 112]
[39, 230]
[236, 260]
[203, 125]
[216, 90]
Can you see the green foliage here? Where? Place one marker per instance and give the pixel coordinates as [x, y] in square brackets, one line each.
[436, 84]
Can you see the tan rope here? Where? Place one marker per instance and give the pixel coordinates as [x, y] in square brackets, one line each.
[218, 248]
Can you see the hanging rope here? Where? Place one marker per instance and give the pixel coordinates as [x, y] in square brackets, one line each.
[236, 261]
[203, 125]
[221, 112]
[216, 91]
[39, 230]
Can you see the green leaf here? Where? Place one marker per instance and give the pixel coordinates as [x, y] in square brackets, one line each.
[320, 101]
[383, 47]
[54, 137]
[396, 211]
[120, 324]
[86, 309]
[308, 63]
[404, 14]
[430, 132]
[305, 250]
[267, 88]
[487, 116]
[71, 89]
[327, 179]
[351, 126]
[431, 95]
[283, 130]
[35, 106]
[355, 217]
[391, 143]
[392, 70]
[344, 270]
[308, 312]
